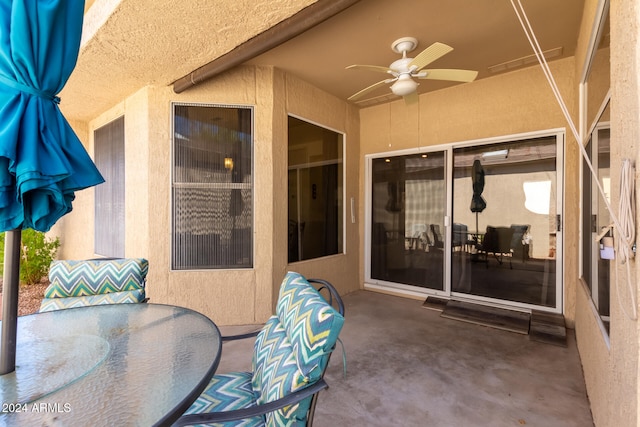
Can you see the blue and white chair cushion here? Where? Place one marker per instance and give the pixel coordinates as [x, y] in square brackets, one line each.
[291, 352]
[94, 282]
[228, 392]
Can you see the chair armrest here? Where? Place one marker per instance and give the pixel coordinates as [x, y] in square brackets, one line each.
[239, 414]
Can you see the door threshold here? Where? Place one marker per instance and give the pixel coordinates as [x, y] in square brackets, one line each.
[508, 320]
[435, 303]
[540, 326]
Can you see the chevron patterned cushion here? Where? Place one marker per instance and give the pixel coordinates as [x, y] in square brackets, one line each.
[94, 277]
[51, 304]
[227, 392]
[292, 349]
[276, 374]
[312, 325]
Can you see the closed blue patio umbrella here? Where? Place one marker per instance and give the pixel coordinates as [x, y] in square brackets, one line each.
[42, 161]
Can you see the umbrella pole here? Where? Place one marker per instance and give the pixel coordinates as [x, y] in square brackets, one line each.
[10, 288]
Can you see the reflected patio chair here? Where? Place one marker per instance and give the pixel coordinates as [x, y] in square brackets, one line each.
[518, 245]
[290, 357]
[497, 241]
[460, 236]
[93, 282]
[418, 238]
[437, 236]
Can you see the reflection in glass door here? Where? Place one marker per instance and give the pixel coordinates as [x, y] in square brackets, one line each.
[408, 200]
[505, 227]
[595, 269]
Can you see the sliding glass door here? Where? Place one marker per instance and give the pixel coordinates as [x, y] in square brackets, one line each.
[506, 221]
[476, 221]
[408, 201]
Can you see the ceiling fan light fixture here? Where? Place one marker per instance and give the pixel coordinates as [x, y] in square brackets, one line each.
[404, 86]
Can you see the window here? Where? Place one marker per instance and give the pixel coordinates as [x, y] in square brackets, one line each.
[595, 93]
[212, 182]
[316, 191]
[595, 264]
[109, 198]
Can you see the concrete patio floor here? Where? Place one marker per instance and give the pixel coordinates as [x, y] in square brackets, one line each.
[407, 366]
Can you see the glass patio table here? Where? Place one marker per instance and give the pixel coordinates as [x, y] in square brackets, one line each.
[116, 365]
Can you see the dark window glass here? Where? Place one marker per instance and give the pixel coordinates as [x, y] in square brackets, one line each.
[315, 191]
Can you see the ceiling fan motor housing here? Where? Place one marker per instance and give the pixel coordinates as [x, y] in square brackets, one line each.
[401, 65]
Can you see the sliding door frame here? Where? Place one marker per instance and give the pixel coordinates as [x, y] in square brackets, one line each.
[416, 291]
[400, 288]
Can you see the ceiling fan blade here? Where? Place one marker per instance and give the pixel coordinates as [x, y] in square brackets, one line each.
[450, 74]
[369, 89]
[429, 55]
[370, 68]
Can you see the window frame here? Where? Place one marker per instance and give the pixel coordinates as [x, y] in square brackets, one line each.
[342, 235]
[586, 131]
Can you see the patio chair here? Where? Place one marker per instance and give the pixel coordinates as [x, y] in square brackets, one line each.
[92, 282]
[497, 241]
[290, 356]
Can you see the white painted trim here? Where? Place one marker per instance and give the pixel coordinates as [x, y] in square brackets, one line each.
[601, 14]
[602, 11]
[596, 121]
[509, 138]
[400, 289]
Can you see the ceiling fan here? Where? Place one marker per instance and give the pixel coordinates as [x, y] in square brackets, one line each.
[405, 70]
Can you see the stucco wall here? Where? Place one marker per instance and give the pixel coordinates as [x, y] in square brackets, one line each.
[512, 103]
[227, 296]
[309, 103]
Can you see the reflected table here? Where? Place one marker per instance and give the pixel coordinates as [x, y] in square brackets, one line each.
[116, 365]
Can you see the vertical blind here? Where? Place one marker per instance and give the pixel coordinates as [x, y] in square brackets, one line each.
[109, 198]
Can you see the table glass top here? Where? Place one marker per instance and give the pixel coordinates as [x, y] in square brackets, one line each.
[125, 364]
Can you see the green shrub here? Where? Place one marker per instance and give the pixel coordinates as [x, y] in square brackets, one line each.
[36, 254]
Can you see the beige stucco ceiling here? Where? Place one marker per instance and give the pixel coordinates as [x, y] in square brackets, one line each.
[128, 44]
